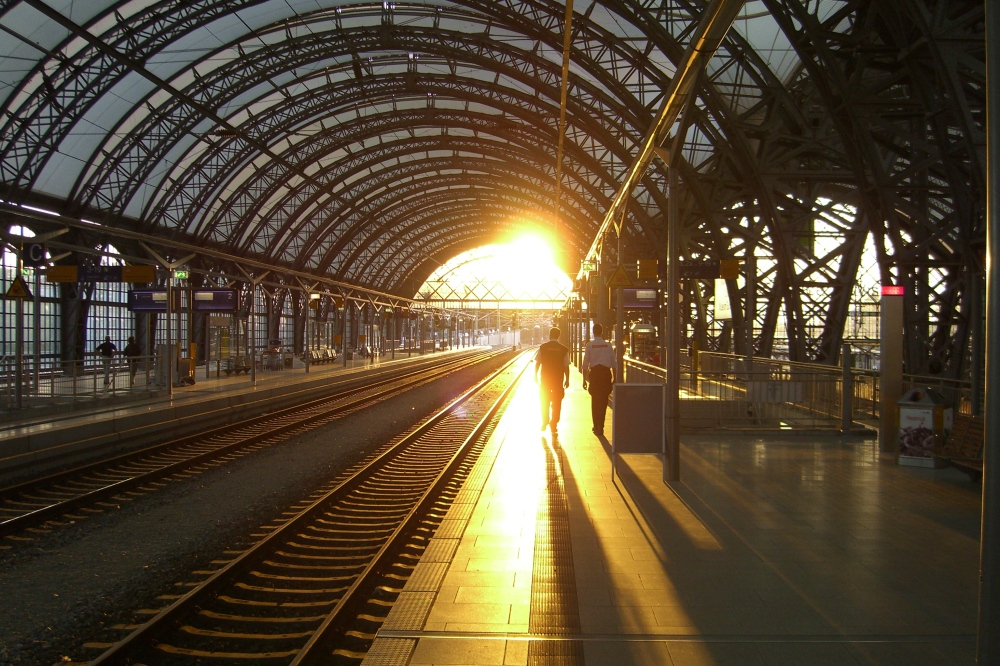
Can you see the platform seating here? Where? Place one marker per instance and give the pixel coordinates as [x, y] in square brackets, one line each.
[964, 446]
[321, 356]
[236, 364]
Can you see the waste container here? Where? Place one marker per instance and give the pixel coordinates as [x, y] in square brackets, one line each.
[925, 418]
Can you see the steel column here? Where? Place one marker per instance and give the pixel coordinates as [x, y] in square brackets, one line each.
[988, 643]
[671, 412]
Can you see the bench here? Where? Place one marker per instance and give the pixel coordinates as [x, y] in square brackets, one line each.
[964, 446]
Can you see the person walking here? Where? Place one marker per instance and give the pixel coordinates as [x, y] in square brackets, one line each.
[107, 351]
[600, 368]
[552, 376]
[132, 352]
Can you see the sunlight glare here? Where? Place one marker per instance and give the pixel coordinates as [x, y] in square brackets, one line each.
[523, 269]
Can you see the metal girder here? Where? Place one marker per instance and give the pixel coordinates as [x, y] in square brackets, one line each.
[912, 172]
[885, 115]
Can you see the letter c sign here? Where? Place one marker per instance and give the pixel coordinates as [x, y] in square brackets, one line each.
[33, 254]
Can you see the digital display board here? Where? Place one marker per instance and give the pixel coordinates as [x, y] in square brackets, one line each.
[637, 299]
[216, 300]
[147, 300]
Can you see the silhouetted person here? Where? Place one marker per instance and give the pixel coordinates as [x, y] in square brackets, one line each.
[552, 365]
[599, 370]
[107, 351]
[132, 354]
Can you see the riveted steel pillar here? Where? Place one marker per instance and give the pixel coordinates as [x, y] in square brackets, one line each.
[988, 643]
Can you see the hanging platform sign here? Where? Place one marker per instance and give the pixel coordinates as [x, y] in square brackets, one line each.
[138, 273]
[639, 299]
[61, 273]
[697, 269]
[18, 289]
[620, 278]
[100, 273]
[217, 300]
[33, 255]
[147, 300]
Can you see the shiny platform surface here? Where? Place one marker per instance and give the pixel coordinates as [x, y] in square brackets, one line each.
[797, 550]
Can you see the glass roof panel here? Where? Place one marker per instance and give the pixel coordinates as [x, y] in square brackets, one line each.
[756, 25]
[519, 274]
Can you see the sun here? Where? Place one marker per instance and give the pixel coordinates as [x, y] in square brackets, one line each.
[520, 273]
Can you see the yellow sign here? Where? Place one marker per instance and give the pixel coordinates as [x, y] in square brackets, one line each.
[729, 269]
[620, 278]
[61, 274]
[647, 269]
[18, 289]
[138, 273]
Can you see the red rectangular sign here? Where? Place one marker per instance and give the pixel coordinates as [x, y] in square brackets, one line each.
[893, 290]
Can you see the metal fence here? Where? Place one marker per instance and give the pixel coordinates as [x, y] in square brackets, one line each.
[725, 392]
[66, 383]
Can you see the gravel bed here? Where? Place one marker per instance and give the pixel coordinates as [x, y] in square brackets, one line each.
[62, 589]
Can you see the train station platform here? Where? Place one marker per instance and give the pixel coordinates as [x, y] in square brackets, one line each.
[771, 551]
[35, 440]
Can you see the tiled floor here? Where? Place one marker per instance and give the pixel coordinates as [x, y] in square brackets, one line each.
[798, 550]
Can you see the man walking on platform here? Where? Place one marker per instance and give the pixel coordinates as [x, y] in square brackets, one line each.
[132, 354]
[107, 351]
[599, 369]
[552, 363]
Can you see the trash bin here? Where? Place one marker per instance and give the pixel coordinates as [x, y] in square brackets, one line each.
[925, 418]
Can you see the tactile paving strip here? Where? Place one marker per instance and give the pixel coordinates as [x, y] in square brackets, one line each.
[460, 511]
[554, 609]
[409, 612]
[390, 651]
[450, 529]
[440, 550]
[426, 577]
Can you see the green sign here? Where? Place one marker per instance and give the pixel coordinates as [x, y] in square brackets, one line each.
[180, 275]
[588, 266]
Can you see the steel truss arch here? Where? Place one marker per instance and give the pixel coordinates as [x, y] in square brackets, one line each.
[883, 117]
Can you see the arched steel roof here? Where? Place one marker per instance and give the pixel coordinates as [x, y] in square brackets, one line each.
[365, 141]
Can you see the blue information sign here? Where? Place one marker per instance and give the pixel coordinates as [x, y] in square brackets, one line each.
[698, 269]
[639, 298]
[217, 300]
[147, 300]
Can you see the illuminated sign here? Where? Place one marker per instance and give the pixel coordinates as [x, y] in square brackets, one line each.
[219, 300]
[147, 300]
[634, 299]
[893, 290]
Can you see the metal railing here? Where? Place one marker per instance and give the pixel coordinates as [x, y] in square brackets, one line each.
[784, 394]
[56, 383]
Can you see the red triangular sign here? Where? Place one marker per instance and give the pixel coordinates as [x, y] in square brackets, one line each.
[18, 289]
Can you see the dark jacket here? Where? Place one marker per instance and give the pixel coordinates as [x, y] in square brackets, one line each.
[552, 359]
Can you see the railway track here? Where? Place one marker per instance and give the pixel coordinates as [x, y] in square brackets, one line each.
[297, 596]
[57, 500]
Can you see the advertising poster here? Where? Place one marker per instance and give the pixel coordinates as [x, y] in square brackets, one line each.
[916, 432]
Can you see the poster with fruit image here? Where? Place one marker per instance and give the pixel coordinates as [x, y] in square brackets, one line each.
[916, 432]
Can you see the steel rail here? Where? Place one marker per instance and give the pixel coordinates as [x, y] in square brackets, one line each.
[290, 418]
[125, 650]
[393, 543]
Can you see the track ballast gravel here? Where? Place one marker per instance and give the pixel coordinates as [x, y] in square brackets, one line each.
[59, 590]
